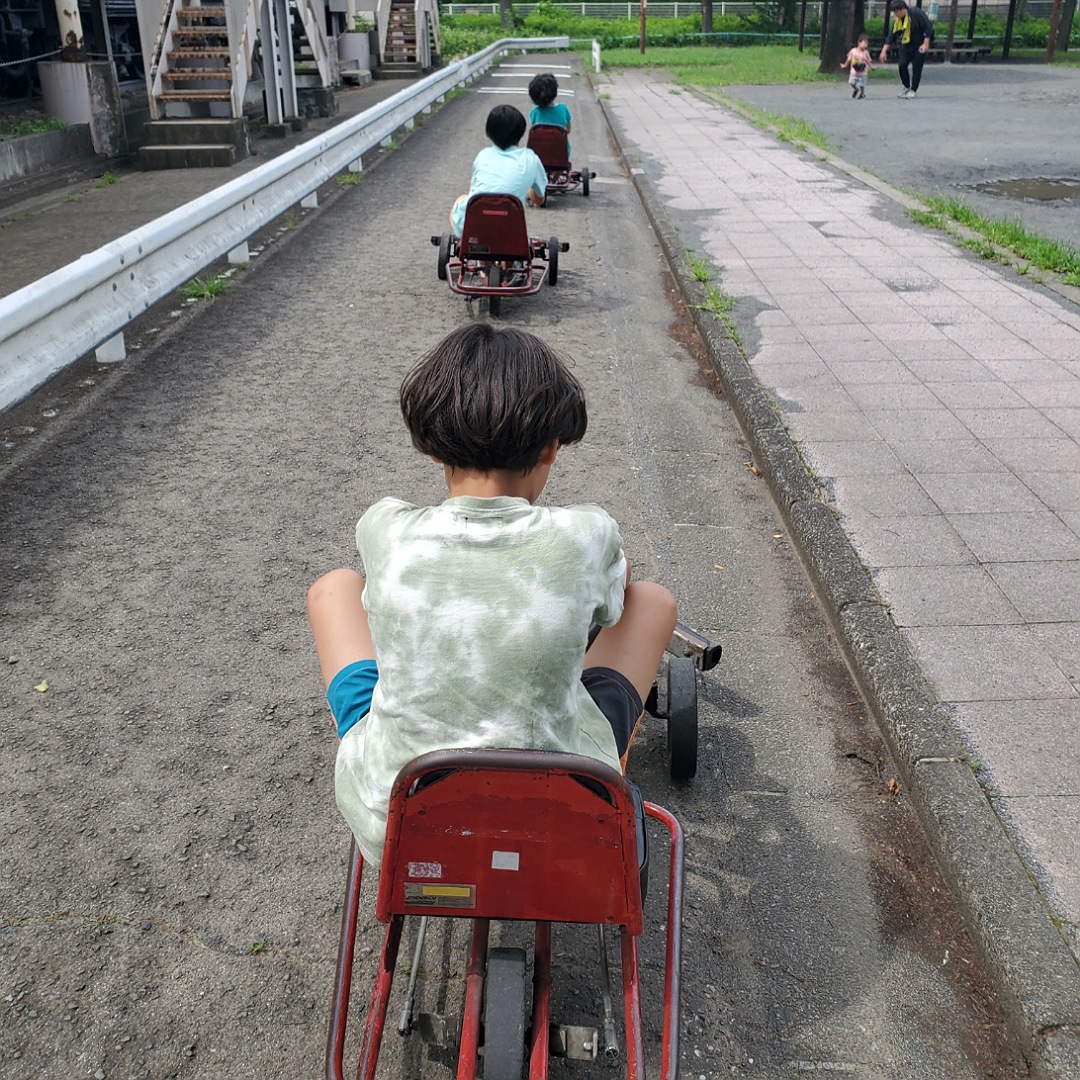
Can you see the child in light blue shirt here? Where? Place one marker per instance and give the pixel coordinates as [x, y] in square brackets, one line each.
[505, 168]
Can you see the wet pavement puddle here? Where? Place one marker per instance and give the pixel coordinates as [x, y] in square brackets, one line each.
[1041, 188]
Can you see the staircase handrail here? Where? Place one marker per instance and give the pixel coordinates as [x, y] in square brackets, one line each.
[435, 27]
[382, 23]
[162, 43]
[325, 57]
[240, 23]
[51, 323]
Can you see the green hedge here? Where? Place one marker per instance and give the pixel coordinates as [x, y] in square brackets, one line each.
[463, 35]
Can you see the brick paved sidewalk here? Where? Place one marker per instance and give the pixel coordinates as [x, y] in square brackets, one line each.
[936, 400]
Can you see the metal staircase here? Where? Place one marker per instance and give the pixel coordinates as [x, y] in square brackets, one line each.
[410, 39]
[206, 56]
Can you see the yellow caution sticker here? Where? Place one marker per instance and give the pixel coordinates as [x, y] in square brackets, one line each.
[430, 894]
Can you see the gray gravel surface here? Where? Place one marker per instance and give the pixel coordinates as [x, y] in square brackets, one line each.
[173, 862]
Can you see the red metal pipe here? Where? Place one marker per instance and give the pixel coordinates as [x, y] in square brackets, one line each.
[339, 1007]
[541, 1007]
[631, 976]
[474, 1000]
[673, 957]
[380, 997]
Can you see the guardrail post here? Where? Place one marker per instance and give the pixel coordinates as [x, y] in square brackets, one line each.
[356, 166]
[112, 351]
[309, 202]
[240, 256]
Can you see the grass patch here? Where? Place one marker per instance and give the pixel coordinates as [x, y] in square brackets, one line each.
[257, 947]
[790, 129]
[107, 180]
[204, 288]
[349, 179]
[716, 303]
[699, 268]
[1008, 234]
[709, 67]
[10, 130]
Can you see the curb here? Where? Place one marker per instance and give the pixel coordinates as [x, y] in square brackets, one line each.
[1032, 968]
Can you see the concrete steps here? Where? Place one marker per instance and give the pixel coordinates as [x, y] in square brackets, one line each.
[197, 143]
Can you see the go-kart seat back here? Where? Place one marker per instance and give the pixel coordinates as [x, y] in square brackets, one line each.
[495, 229]
[512, 834]
[550, 144]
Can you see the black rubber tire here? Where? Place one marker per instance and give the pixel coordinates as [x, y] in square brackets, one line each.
[444, 255]
[585, 183]
[553, 260]
[682, 723]
[504, 1014]
[494, 281]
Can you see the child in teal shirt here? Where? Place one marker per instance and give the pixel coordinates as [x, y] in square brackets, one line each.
[543, 90]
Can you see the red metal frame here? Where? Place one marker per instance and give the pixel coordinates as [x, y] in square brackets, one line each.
[495, 234]
[498, 834]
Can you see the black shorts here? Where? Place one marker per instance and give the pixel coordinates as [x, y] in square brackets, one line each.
[617, 699]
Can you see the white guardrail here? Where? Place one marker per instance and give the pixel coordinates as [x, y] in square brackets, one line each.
[54, 321]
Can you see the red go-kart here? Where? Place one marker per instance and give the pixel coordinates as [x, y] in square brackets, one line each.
[520, 837]
[552, 147]
[495, 256]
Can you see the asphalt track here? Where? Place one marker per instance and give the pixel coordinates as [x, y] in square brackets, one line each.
[173, 860]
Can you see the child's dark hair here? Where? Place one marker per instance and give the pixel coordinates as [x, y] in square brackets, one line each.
[505, 126]
[863, 37]
[489, 399]
[543, 89]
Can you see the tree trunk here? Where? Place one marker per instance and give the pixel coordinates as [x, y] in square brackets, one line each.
[844, 24]
[706, 16]
[1068, 10]
[506, 13]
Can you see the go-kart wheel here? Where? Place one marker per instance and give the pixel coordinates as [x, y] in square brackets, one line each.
[585, 183]
[504, 1014]
[444, 255]
[553, 260]
[682, 718]
[494, 281]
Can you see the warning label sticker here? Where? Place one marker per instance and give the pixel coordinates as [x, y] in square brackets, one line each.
[420, 894]
[430, 870]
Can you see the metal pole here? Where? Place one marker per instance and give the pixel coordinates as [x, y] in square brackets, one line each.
[71, 32]
[1008, 30]
[971, 21]
[952, 32]
[641, 21]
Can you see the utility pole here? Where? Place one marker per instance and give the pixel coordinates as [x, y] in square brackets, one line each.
[641, 22]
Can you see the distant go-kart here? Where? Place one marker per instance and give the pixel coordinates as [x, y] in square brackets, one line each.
[495, 256]
[552, 147]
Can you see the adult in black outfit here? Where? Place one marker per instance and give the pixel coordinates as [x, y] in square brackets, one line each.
[911, 32]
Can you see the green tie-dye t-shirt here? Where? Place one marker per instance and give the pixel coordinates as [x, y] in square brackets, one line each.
[480, 611]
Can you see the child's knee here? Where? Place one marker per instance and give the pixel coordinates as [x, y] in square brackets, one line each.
[332, 584]
[659, 600]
